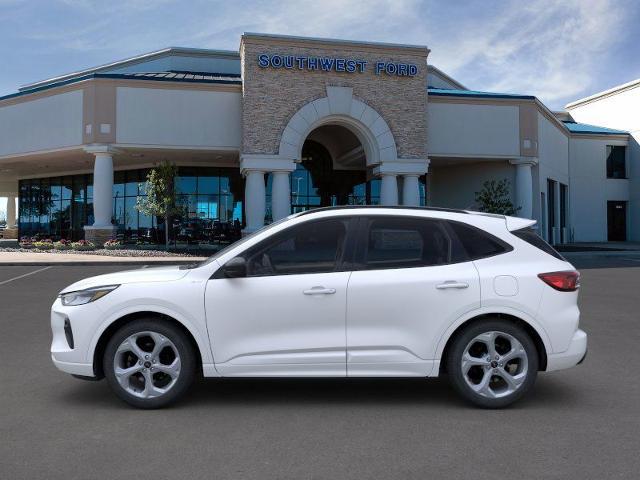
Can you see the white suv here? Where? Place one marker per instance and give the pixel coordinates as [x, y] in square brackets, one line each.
[335, 292]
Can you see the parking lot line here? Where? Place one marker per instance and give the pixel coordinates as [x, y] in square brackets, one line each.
[25, 275]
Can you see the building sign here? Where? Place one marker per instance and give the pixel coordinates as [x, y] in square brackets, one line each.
[335, 64]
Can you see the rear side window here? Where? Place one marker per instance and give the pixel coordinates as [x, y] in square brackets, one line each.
[530, 236]
[404, 242]
[477, 243]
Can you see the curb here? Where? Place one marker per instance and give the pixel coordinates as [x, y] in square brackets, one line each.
[97, 264]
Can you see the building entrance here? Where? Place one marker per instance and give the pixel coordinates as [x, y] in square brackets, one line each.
[332, 171]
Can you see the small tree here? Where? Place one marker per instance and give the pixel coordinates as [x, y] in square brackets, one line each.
[160, 199]
[495, 198]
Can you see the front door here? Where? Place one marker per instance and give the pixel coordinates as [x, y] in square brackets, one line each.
[287, 317]
[617, 221]
[406, 289]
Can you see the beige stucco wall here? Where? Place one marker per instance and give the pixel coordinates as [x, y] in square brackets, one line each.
[272, 96]
[473, 129]
[45, 123]
[178, 117]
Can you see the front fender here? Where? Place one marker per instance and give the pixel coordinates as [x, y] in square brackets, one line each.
[198, 332]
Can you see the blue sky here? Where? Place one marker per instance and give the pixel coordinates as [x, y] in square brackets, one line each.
[557, 50]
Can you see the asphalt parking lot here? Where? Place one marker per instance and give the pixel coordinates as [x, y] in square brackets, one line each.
[582, 423]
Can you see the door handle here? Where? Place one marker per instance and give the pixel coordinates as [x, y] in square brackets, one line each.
[319, 291]
[452, 284]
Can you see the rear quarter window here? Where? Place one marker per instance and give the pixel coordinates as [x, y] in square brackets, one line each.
[530, 236]
[477, 243]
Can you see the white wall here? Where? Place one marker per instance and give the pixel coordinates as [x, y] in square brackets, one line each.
[620, 111]
[189, 118]
[467, 129]
[553, 163]
[42, 124]
[590, 189]
[454, 186]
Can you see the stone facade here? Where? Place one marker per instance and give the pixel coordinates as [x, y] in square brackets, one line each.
[272, 96]
[99, 236]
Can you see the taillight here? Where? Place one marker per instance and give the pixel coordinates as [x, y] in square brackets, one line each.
[562, 281]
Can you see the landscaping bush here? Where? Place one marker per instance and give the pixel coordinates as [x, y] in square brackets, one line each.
[43, 244]
[25, 242]
[83, 245]
[62, 245]
[112, 244]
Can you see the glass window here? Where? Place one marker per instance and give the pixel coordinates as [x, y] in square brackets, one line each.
[405, 242]
[477, 243]
[530, 236]
[313, 247]
[186, 184]
[616, 167]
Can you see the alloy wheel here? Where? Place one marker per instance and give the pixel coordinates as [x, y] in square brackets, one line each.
[147, 364]
[494, 364]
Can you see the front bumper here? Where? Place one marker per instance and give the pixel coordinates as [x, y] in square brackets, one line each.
[82, 369]
[72, 329]
[570, 357]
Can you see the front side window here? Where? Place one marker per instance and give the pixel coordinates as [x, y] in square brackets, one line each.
[397, 242]
[616, 165]
[313, 247]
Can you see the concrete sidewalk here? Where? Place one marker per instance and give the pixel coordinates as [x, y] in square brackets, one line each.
[35, 259]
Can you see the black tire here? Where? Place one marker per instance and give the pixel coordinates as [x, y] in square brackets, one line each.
[185, 351]
[455, 357]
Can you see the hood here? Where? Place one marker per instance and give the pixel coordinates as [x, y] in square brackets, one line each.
[155, 274]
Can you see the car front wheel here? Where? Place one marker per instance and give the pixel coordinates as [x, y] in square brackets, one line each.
[149, 363]
[492, 363]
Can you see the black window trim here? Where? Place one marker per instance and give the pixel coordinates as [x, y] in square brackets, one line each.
[343, 263]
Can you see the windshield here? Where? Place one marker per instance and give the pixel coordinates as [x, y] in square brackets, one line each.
[221, 252]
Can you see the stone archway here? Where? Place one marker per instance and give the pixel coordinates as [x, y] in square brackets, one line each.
[339, 107]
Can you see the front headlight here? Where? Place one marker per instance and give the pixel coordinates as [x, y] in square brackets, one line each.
[81, 297]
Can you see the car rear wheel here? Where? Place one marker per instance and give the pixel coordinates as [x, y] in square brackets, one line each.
[492, 363]
[149, 363]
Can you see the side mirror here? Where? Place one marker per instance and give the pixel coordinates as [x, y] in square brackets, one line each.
[235, 268]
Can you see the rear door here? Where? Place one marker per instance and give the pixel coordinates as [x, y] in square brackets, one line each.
[410, 282]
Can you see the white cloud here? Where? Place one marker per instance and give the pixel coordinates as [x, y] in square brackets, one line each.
[549, 48]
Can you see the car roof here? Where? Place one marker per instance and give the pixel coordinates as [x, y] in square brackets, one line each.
[385, 207]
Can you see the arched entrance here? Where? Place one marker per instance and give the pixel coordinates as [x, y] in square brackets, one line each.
[332, 171]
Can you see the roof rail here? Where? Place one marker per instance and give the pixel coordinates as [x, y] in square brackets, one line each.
[393, 207]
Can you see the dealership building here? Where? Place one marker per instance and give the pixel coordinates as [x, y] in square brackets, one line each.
[290, 123]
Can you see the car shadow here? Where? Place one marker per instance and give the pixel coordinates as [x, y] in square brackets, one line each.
[305, 392]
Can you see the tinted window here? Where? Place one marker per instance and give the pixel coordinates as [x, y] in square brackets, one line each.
[616, 167]
[530, 236]
[313, 247]
[396, 242]
[478, 243]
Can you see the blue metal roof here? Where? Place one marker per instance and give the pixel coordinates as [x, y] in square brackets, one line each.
[575, 127]
[188, 77]
[445, 92]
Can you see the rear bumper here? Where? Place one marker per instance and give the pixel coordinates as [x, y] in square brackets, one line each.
[572, 356]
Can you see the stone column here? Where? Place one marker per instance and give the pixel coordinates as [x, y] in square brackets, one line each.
[280, 195]
[255, 199]
[524, 186]
[389, 189]
[411, 190]
[11, 212]
[102, 228]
